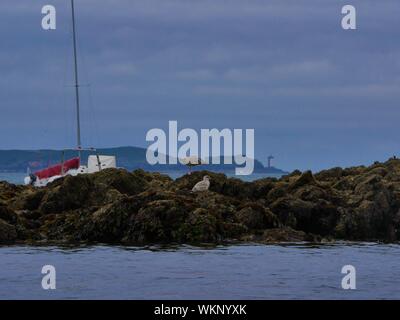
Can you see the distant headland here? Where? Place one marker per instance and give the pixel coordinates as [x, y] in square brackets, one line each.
[130, 158]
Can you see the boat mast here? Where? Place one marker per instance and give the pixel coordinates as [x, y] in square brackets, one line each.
[78, 119]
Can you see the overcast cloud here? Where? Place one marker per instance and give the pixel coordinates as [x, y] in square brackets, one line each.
[317, 96]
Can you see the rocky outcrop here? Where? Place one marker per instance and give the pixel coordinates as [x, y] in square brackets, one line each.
[117, 206]
[8, 233]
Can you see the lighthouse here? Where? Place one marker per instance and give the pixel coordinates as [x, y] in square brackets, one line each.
[270, 158]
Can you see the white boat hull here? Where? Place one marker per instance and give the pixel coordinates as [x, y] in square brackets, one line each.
[93, 166]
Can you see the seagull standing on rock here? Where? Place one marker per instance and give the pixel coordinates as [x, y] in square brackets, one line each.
[202, 185]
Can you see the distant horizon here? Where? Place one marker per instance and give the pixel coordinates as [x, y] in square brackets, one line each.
[274, 165]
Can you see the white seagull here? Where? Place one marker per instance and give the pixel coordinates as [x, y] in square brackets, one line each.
[202, 185]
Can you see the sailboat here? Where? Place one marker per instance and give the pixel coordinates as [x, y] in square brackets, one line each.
[72, 166]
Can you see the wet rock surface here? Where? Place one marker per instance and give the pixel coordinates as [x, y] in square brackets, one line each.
[117, 206]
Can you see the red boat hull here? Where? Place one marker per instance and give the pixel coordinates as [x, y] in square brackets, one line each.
[57, 169]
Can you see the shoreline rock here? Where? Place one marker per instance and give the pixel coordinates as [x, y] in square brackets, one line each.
[115, 206]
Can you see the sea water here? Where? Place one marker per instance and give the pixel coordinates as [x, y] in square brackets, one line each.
[296, 271]
[13, 177]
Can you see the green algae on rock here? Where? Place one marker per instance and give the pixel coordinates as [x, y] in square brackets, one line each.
[117, 206]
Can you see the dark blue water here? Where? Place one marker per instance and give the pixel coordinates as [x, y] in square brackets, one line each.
[13, 177]
[232, 272]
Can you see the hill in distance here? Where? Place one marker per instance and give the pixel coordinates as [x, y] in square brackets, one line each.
[130, 158]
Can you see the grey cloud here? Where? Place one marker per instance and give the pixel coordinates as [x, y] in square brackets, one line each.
[313, 92]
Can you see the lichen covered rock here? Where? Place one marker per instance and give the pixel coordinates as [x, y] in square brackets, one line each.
[117, 206]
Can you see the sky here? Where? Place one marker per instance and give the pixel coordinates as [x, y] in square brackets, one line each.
[316, 95]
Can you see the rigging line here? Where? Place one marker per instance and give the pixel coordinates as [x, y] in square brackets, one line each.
[94, 122]
[56, 104]
[67, 63]
[84, 78]
[79, 143]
